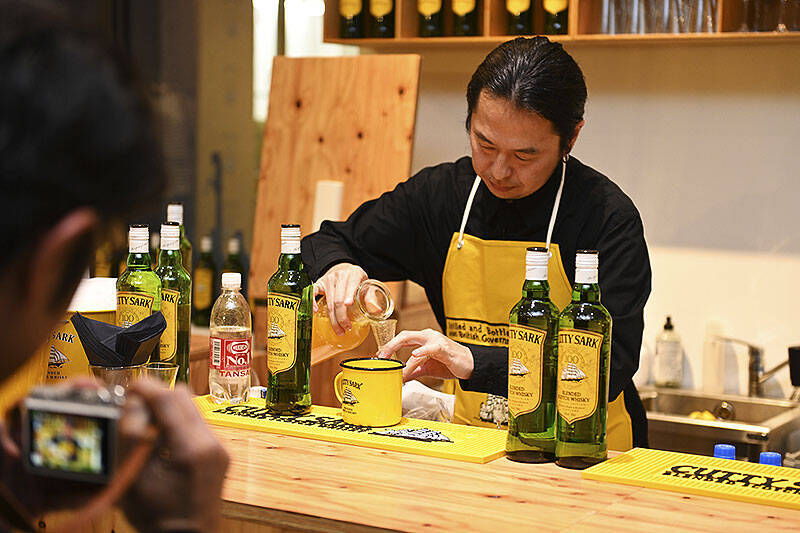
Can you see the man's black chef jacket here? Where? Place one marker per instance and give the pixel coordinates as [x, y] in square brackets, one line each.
[405, 234]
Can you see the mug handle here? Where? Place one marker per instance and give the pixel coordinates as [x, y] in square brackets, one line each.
[337, 386]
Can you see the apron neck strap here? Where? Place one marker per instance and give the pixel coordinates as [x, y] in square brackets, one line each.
[464, 218]
[553, 215]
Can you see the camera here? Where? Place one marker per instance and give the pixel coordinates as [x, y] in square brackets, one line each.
[71, 433]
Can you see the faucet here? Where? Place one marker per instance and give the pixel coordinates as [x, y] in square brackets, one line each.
[755, 368]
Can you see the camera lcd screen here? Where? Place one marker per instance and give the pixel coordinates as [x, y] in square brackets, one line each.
[68, 442]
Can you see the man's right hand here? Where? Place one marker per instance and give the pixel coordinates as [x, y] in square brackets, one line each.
[339, 284]
[180, 487]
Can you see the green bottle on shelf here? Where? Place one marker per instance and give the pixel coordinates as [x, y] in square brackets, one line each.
[289, 312]
[138, 287]
[203, 280]
[555, 16]
[584, 356]
[381, 19]
[176, 301]
[351, 19]
[431, 23]
[532, 362]
[465, 17]
[520, 17]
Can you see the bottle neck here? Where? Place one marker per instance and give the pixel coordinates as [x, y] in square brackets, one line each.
[586, 292]
[139, 261]
[290, 262]
[170, 258]
[536, 289]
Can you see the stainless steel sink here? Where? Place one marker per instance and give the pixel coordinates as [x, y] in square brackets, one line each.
[751, 424]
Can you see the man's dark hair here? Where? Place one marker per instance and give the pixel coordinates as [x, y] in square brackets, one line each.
[536, 75]
[75, 129]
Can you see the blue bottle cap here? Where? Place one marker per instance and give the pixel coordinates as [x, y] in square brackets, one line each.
[770, 458]
[725, 451]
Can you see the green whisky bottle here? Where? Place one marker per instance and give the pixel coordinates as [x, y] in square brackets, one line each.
[176, 301]
[203, 280]
[520, 17]
[175, 214]
[289, 313]
[138, 287]
[556, 13]
[584, 355]
[532, 362]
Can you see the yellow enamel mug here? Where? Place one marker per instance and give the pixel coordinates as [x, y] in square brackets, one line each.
[371, 391]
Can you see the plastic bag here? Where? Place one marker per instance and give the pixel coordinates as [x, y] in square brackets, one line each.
[424, 403]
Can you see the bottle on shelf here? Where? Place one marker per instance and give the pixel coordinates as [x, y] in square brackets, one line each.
[175, 214]
[176, 301]
[381, 19]
[520, 17]
[465, 17]
[351, 19]
[289, 315]
[230, 343]
[103, 260]
[431, 20]
[668, 358]
[556, 13]
[584, 356]
[532, 362]
[138, 287]
[203, 278]
[234, 261]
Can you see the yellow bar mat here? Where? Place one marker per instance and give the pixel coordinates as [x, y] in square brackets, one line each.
[421, 437]
[704, 476]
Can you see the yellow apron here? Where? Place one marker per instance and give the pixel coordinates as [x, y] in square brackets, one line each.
[481, 282]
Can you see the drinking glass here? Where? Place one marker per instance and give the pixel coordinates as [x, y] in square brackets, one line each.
[164, 372]
[117, 375]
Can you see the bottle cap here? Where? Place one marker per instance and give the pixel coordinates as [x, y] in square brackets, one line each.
[770, 458]
[231, 280]
[175, 213]
[290, 238]
[234, 245]
[725, 451]
[586, 264]
[170, 236]
[139, 238]
[206, 244]
[536, 259]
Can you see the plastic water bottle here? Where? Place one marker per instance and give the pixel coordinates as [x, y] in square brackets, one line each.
[231, 343]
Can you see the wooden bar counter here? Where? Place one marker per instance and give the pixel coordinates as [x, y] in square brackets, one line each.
[279, 483]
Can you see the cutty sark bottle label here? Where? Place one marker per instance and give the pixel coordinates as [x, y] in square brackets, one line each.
[281, 331]
[133, 307]
[525, 352]
[578, 373]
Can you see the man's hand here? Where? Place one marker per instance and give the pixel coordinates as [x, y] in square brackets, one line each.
[181, 485]
[436, 355]
[339, 284]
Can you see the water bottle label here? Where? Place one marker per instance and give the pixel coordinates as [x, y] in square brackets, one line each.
[281, 331]
[578, 373]
[525, 352]
[230, 357]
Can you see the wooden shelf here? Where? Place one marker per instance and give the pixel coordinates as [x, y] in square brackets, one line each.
[584, 27]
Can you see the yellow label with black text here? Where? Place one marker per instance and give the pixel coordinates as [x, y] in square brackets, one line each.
[554, 6]
[133, 307]
[281, 331]
[202, 285]
[515, 7]
[477, 332]
[525, 359]
[380, 8]
[462, 7]
[427, 8]
[349, 8]
[578, 373]
[169, 339]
